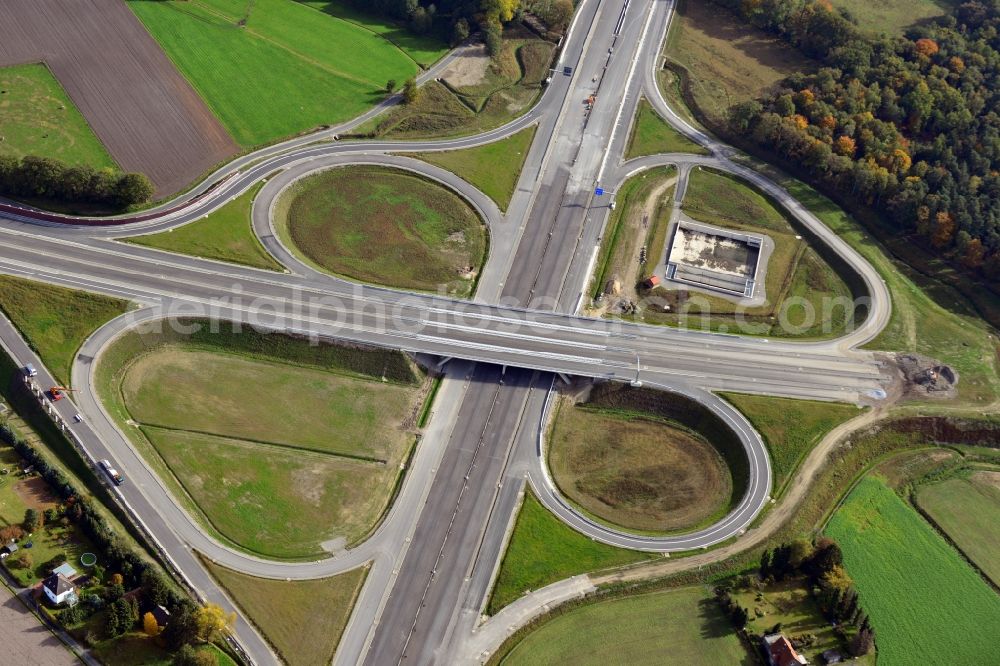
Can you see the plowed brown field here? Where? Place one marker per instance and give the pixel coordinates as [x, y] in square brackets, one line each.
[146, 114]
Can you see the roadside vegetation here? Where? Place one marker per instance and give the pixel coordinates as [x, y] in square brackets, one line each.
[494, 168]
[543, 550]
[311, 473]
[225, 235]
[715, 60]
[636, 470]
[799, 284]
[652, 135]
[40, 119]
[55, 320]
[967, 509]
[790, 428]
[478, 93]
[641, 218]
[274, 68]
[385, 226]
[921, 603]
[682, 626]
[302, 620]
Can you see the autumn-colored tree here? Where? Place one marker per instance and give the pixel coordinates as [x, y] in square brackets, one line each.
[927, 47]
[212, 620]
[900, 161]
[944, 230]
[150, 625]
[503, 10]
[805, 97]
[9, 533]
[956, 64]
[800, 121]
[844, 145]
[828, 122]
[974, 254]
[116, 579]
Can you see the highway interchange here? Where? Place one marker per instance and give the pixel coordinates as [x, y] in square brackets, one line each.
[433, 558]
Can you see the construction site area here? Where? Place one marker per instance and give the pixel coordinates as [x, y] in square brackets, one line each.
[722, 260]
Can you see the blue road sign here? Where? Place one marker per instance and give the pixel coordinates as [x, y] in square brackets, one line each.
[598, 191]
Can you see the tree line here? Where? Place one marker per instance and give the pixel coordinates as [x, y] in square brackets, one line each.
[46, 178]
[821, 566]
[460, 17]
[906, 125]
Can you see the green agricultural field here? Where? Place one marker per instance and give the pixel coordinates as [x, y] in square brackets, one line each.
[791, 428]
[312, 471]
[384, 226]
[805, 296]
[425, 50]
[285, 611]
[652, 135]
[494, 168]
[485, 94]
[37, 117]
[638, 472]
[968, 510]
[226, 235]
[54, 320]
[926, 604]
[274, 68]
[679, 626]
[894, 16]
[543, 550]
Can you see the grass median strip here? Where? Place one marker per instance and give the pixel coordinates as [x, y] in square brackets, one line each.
[652, 135]
[494, 168]
[55, 320]
[224, 235]
[282, 610]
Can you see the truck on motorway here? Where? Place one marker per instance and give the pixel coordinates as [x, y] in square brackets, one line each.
[112, 473]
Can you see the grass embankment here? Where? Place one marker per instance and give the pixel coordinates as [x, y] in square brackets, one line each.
[636, 471]
[967, 509]
[683, 626]
[790, 428]
[543, 550]
[652, 135]
[927, 316]
[274, 68]
[805, 296]
[920, 594]
[302, 620]
[385, 226]
[629, 228]
[225, 234]
[492, 92]
[40, 119]
[494, 168]
[313, 468]
[54, 320]
[894, 16]
[721, 60]
[138, 648]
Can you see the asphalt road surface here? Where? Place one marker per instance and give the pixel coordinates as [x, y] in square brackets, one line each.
[434, 556]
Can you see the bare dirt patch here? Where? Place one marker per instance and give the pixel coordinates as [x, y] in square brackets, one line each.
[987, 478]
[469, 66]
[35, 492]
[139, 106]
